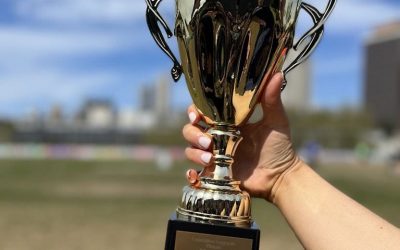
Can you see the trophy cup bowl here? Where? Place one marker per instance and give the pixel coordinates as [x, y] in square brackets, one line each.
[228, 49]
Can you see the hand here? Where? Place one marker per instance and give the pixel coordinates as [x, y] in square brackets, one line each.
[265, 153]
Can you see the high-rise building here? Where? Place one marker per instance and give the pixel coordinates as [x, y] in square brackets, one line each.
[156, 97]
[55, 117]
[156, 103]
[297, 93]
[147, 98]
[163, 97]
[382, 76]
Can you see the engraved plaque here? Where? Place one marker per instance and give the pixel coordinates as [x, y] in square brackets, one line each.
[190, 235]
[200, 241]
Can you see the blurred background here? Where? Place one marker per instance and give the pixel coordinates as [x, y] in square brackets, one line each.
[91, 153]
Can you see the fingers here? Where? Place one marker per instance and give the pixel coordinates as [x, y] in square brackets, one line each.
[200, 142]
[193, 134]
[196, 137]
[192, 176]
[193, 114]
[272, 94]
[199, 156]
[274, 112]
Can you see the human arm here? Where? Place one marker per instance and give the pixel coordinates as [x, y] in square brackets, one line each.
[321, 216]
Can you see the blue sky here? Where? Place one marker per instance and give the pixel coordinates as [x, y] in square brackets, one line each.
[61, 52]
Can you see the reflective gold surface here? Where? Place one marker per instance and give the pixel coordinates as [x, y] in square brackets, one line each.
[217, 202]
[229, 49]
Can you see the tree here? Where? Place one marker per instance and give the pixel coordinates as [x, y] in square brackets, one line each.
[332, 129]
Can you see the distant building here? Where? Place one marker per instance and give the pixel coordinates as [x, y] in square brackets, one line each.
[32, 119]
[130, 119]
[55, 117]
[155, 105]
[382, 76]
[98, 121]
[147, 98]
[163, 97]
[98, 114]
[297, 93]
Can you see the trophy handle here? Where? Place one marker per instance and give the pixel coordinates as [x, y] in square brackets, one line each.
[153, 18]
[314, 35]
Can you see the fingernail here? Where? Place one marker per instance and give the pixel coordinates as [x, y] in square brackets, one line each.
[204, 142]
[206, 157]
[192, 117]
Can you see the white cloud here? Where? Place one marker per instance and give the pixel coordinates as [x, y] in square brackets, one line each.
[81, 10]
[40, 88]
[54, 85]
[86, 10]
[359, 16]
[34, 71]
[31, 69]
[348, 14]
[24, 42]
[23, 45]
[33, 65]
[35, 51]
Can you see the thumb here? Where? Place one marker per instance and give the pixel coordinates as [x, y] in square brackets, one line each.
[271, 102]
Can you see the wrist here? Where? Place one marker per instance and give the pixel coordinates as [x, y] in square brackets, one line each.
[284, 179]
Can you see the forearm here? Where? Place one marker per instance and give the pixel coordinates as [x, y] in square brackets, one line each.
[324, 218]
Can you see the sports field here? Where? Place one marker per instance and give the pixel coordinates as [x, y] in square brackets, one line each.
[126, 205]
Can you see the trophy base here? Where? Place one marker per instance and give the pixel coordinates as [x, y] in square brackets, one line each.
[215, 202]
[185, 235]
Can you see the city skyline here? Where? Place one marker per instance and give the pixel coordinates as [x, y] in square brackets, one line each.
[154, 107]
[66, 51]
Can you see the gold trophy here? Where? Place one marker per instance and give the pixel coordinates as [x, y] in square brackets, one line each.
[227, 48]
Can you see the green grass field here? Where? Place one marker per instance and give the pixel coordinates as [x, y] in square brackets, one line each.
[126, 205]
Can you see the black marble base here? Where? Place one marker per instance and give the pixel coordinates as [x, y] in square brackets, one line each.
[184, 235]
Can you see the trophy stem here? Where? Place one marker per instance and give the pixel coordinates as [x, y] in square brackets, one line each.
[217, 198]
[226, 139]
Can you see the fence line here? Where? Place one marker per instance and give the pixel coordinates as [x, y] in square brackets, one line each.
[88, 152]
